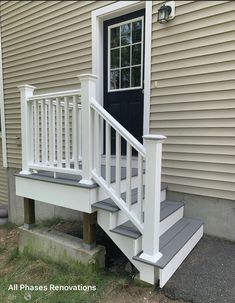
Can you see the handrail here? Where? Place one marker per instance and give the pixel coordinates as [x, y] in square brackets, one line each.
[118, 127]
[56, 95]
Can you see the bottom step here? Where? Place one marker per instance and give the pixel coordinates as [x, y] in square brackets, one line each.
[175, 245]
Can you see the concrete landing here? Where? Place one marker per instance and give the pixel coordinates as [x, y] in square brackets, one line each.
[59, 247]
[207, 275]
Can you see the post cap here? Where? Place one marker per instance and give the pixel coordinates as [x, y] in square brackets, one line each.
[154, 137]
[26, 86]
[87, 76]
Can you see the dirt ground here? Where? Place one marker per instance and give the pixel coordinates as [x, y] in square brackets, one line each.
[118, 289]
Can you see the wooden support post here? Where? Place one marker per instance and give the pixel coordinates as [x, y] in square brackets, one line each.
[29, 213]
[89, 222]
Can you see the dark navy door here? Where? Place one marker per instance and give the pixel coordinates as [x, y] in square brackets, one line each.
[124, 71]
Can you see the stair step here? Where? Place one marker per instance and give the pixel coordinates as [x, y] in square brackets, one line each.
[168, 208]
[134, 173]
[129, 230]
[109, 205]
[173, 240]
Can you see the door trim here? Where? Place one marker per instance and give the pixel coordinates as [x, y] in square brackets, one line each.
[111, 11]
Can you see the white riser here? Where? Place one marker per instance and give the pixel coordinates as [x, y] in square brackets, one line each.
[163, 195]
[171, 267]
[99, 193]
[171, 220]
[119, 218]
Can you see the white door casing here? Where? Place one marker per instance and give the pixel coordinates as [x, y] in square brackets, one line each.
[111, 11]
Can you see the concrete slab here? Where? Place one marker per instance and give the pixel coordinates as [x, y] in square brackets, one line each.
[59, 247]
[207, 275]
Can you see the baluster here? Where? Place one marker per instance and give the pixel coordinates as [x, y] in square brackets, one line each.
[51, 128]
[128, 174]
[59, 132]
[97, 157]
[79, 134]
[44, 131]
[107, 152]
[67, 132]
[75, 132]
[140, 188]
[36, 131]
[118, 164]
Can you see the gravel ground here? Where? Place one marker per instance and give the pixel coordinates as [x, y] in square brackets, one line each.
[207, 275]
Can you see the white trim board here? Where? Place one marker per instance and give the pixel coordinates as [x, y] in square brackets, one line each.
[2, 111]
[111, 11]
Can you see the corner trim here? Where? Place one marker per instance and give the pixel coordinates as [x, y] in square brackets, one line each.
[2, 110]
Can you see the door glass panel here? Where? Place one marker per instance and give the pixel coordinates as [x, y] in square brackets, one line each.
[125, 34]
[114, 79]
[115, 37]
[125, 77]
[125, 56]
[135, 76]
[136, 31]
[115, 58]
[125, 61]
[136, 54]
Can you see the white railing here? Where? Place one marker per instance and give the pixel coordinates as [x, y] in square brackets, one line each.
[71, 132]
[53, 126]
[116, 137]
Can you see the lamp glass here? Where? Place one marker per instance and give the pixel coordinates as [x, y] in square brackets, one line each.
[164, 13]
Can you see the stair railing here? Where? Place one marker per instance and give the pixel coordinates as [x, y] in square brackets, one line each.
[104, 136]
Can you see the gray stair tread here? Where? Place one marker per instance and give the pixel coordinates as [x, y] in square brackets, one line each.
[109, 205]
[113, 172]
[169, 207]
[127, 229]
[174, 239]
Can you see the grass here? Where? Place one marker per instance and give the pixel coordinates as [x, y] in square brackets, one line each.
[26, 269]
[112, 285]
[2, 248]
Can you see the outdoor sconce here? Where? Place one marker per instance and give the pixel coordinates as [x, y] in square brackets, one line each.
[166, 12]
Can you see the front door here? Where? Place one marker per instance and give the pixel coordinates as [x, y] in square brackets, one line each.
[124, 71]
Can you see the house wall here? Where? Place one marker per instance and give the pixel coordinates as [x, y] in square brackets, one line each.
[3, 180]
[193, 62]
[47, 43]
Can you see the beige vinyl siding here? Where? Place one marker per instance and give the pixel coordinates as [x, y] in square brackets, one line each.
[48, 43]
[45, 44]
[193, 104]
[3, 179]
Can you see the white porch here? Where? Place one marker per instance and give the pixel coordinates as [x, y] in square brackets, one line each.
[76, 155]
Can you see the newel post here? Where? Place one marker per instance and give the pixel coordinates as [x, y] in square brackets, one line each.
[26, 91]
[151, 234]
[88, 91]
